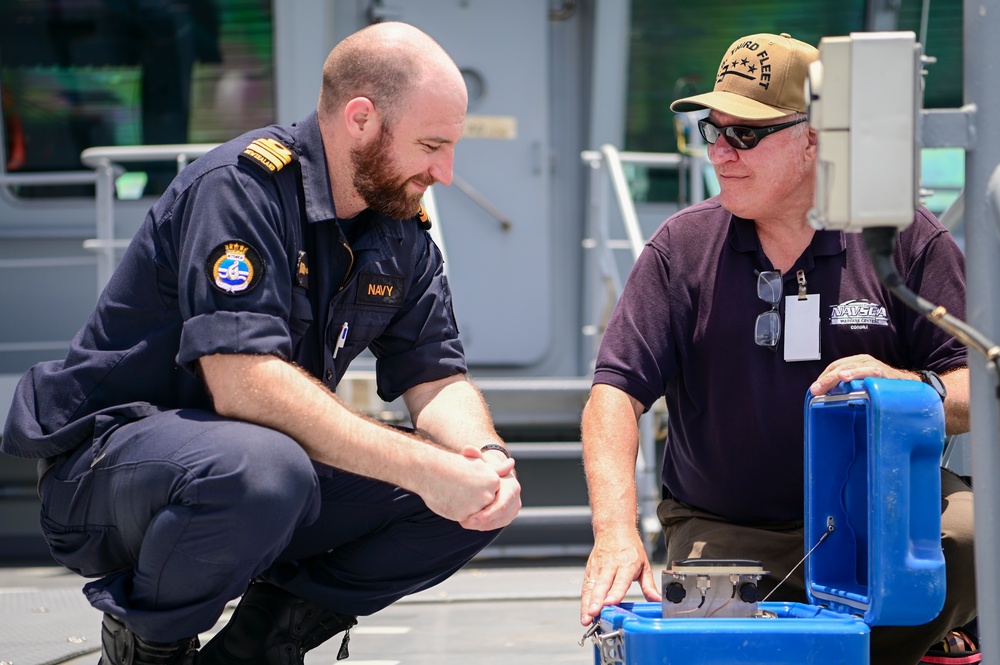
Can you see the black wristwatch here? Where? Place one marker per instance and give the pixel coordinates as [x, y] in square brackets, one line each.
[934, 381]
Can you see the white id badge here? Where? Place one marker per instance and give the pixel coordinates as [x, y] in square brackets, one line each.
[802, 328]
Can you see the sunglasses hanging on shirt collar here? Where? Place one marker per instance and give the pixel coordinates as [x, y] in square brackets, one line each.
[767, 329]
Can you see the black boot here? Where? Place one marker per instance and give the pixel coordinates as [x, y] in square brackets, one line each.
[273, 627]
[120, 646]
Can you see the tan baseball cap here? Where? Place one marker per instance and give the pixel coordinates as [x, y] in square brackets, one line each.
[761, 77]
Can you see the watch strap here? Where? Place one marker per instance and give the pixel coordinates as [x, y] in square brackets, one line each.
[934, 381]
[497, 447]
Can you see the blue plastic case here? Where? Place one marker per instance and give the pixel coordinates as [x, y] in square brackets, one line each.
[637, 634]
[873, 486]
[872, 468]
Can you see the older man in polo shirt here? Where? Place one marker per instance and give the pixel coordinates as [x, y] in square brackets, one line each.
[702, 321]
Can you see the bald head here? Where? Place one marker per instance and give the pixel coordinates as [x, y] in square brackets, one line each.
[385, 63]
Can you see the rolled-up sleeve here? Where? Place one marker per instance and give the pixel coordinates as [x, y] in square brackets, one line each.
[937, 273]
[636, 354]
[233, 332]
[233, 275]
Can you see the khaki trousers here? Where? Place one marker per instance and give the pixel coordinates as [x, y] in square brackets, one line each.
[694, 533]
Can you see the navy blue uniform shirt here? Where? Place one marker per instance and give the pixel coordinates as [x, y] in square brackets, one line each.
[235, 258]
[684, 328]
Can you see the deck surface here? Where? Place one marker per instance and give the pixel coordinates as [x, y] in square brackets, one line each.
[491, 613]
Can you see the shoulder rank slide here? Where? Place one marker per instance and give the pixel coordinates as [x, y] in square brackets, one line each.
[267, 155]
[423, 219]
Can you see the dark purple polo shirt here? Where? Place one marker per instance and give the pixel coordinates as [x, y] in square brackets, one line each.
[684, 328]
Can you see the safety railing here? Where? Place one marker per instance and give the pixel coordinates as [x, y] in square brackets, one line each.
[106, 162]
[52, 178]
[607, 167]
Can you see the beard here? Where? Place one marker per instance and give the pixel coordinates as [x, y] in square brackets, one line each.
[379, 182]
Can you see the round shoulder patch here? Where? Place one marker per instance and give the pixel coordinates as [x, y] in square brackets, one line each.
[234, 267]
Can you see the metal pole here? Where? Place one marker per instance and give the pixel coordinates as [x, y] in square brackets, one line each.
[105, 195]
[626, 206]
[609, 62]
[981, 25]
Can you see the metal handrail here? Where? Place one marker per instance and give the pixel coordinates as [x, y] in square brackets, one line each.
[609, 157]
[44, 179]
[626, 206]
[49, 178]
[181, 152]
[106, 160]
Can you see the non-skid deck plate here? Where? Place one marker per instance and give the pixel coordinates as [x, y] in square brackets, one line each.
[46, 626]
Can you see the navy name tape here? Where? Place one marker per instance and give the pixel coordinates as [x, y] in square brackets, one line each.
[376, 289]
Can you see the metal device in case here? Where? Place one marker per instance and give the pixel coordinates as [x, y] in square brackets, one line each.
[694, 588]
[872, 543]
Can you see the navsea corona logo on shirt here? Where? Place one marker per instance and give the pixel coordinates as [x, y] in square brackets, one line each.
[859, 314]
[234, 267]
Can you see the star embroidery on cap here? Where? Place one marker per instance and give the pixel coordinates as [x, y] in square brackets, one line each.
[725, 70]
[744, 62]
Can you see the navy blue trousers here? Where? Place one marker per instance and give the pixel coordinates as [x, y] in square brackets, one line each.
[176, 513]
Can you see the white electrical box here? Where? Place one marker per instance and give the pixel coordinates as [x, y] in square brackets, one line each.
[864, 103]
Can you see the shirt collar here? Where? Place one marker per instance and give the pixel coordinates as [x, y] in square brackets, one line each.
[743, 237]
[316, 182]
[315, 177]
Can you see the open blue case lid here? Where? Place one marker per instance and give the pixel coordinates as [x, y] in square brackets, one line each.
[873, 485]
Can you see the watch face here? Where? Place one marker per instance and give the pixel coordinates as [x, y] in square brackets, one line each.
[934, 381]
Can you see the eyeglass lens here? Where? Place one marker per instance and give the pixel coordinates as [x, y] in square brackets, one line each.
[739, 136]
[767, 329]
[769, 286]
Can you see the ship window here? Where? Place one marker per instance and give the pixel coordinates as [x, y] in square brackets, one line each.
[81, 73]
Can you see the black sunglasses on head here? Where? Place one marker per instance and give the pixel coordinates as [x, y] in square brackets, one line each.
[739, 136]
